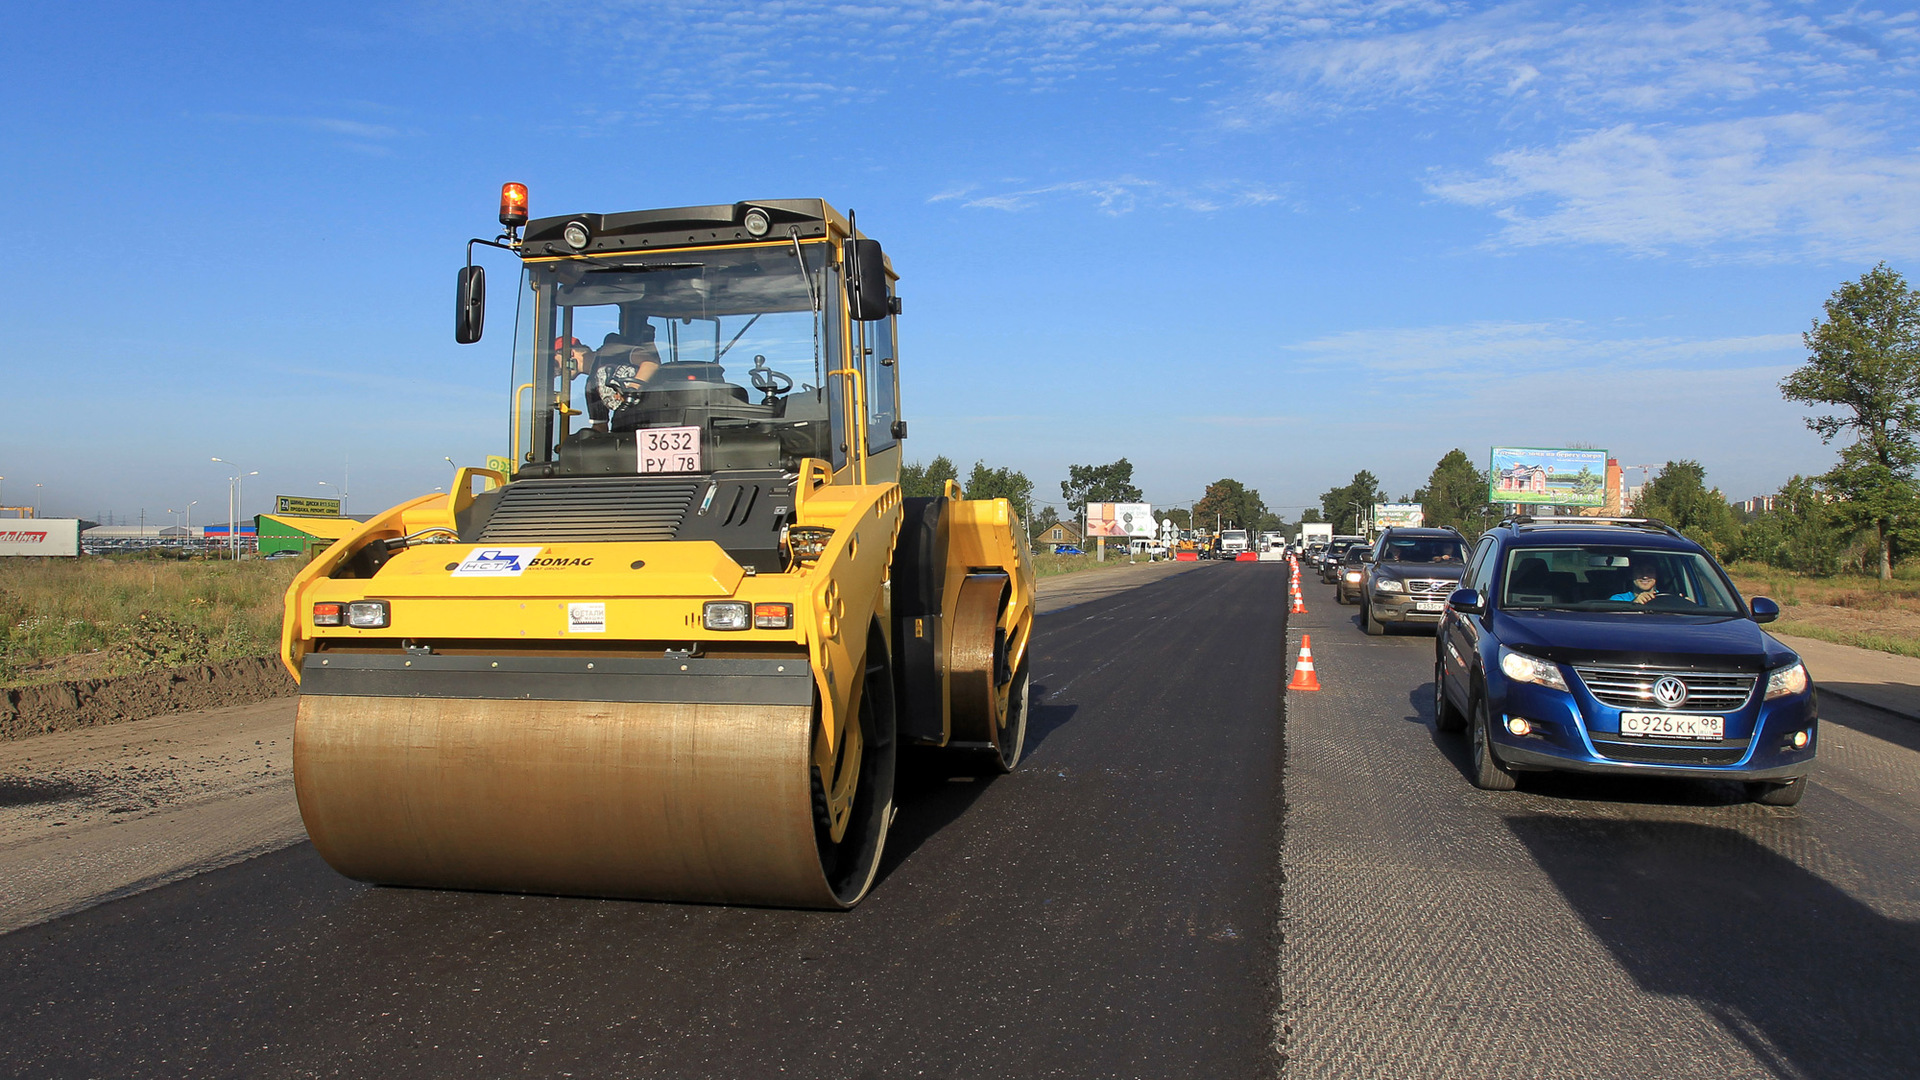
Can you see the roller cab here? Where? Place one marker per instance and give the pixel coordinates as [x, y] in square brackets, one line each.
[674, 652]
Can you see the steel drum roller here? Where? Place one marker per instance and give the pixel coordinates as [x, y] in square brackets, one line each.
[700, 802]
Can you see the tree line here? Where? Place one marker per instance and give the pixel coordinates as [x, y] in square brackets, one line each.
[1863, 363]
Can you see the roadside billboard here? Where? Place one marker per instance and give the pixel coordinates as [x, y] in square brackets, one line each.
[1564, 477]
[1402, 515]
[302, 504]
[1121, 519]
[58, 537]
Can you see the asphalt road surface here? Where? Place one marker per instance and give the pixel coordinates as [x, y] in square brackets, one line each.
[1106, 911]
[1584, 926]
[1128, 904]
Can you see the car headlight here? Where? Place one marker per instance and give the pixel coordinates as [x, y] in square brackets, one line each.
[1388, 584]
[1522, 668]
[1791, 679]
[1353, 575]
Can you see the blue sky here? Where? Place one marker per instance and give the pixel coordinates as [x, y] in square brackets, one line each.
[1272, 241]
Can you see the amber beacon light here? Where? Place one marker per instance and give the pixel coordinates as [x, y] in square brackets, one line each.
[513, 205]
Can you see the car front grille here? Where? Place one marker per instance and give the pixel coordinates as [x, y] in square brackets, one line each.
[1725, 753]
[1632, 688]
[1431, 588]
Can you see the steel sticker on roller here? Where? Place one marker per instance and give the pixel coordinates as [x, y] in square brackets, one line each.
[496, 562]
[587, 618]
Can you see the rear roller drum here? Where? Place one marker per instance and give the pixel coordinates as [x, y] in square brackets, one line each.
[989, 702]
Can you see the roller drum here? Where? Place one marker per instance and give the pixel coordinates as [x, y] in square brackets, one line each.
[664, 801]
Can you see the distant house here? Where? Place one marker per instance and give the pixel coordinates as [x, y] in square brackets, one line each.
[1061, 534]
[1529, 478]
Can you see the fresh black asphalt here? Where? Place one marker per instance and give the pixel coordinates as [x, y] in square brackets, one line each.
[1106, 910]
[1159, 891]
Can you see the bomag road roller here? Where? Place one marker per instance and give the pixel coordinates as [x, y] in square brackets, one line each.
[674, 650]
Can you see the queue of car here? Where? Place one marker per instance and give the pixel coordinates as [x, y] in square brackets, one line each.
[1598, 645]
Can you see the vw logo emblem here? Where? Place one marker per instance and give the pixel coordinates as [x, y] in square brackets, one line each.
[1670, 692]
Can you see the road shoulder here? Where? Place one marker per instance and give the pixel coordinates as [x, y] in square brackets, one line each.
[1882, 680]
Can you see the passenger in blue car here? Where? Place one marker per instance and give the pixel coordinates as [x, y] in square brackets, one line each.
[1645, 584]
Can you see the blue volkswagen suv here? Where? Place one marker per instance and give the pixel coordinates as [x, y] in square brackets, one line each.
[1617, 645]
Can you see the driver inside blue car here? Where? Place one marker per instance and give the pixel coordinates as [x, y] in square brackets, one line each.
[1646, 581]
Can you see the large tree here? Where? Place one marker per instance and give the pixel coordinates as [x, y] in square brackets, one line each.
[1680, 497]
[1866, 360]
[1229, 504]
[919, 481]
[1349, 507]
[1002, 483]
[1099, 483]
[1456, 495]
[1802, 532]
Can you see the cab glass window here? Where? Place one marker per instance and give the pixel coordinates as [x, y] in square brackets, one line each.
[882, 377]
[1614, 579]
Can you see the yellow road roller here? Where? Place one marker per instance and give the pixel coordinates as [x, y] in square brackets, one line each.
[673, 651]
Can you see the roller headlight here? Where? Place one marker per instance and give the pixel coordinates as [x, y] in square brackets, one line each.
[728, 615]
[368, 614]
[1522, 668]
[1387, 584]
[1791, 679]
[576, 235]
[757, 223]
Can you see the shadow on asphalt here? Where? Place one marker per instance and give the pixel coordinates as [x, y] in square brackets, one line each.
[1813, 982]
[1876, 722]
[933, 789]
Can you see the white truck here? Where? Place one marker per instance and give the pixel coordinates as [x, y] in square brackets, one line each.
[1234, 543]
[1315, 533]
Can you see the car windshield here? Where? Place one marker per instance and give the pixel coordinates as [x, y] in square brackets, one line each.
[1614, 578]
[730, 346]
[1424, 549]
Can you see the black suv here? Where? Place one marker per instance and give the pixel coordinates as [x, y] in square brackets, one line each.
[1409, 575]
[1618, 646]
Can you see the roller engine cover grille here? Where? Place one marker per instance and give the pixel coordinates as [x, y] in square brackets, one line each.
[589, 510]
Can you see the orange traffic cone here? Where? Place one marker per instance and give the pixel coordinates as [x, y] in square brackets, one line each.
[1299, 602]
[1303, 676]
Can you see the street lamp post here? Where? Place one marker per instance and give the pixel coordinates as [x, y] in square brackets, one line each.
[342, 489]
[233, 506]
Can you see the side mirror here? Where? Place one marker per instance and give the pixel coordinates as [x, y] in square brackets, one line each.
[470, 304]
[1764, 610]
[1467, 601]
[867, 280]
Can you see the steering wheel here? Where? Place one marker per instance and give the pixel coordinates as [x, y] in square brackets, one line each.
[768, 381]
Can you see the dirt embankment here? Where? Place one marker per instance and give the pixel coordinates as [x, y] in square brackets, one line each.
[63, 706]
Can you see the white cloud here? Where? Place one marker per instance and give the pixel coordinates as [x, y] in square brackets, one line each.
[1760, 188]
[1493, 351]
[1116, 196]
[1643, 59]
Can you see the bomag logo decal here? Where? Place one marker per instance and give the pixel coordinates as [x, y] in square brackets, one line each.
[540, 564]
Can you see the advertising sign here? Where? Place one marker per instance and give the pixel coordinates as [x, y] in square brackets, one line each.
[1121, 519]
[301, 504]
[1404, 515]
[40, 536]
[1525, 474]
[500, 464]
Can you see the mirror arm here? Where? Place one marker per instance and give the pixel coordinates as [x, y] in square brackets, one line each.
[512, 244]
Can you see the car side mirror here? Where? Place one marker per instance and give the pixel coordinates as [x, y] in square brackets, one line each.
[867, 271]
[1764, 610]
[470, 304]
[1467, 601]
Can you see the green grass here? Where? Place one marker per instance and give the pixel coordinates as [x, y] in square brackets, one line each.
[1839, 590]
[1897, 645]
[116, 615]
[1051, 565]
